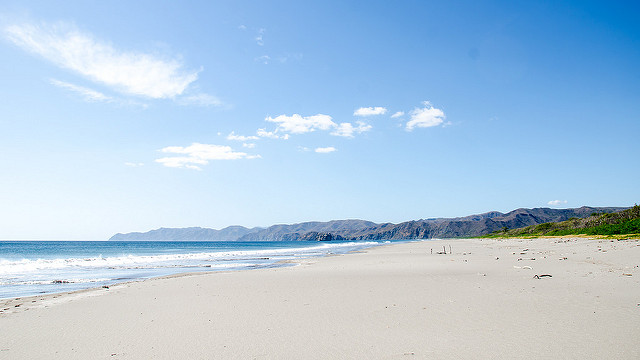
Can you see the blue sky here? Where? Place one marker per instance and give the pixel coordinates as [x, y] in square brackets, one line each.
[128, 116]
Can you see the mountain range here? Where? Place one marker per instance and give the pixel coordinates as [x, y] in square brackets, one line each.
[473, 225]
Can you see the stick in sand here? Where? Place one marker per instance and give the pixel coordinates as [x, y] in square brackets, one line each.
[541, 276]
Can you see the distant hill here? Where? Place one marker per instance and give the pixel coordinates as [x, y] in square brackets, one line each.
[297, 231]
[230, 233]
[474, 225]
[356, 230]
[625, 222]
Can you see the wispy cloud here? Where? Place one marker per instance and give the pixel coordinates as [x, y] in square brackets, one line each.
[200, 154]
[263, 133]
[129, 72]
[557, 202]
[397, 114]
[424, 117]
[235, 137]
[260, 38]
[369, 111]
[266, 59]
[90, 95]
[200, 100]
[263, 59]
[348, 130]
[325, 150]
[297, 124]
[132, 164]
[286, 57]
[86, 93]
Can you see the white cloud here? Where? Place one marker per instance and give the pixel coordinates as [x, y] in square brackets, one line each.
[249, 145]
[233, 136]
[368, 111]
[86, 93]
[200, 154]
[397, 114]
[132, 164]
[325, 150]
[182, 162]
[428, 116]
[348, 130]
[557, 202]
[296, 124]
[242, 27]
[130, 72]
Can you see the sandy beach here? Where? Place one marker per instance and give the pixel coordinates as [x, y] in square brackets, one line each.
[482, 301]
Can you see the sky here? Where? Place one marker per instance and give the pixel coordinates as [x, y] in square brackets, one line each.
[125, 116]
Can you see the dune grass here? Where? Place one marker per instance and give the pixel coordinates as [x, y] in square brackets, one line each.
[622, 224]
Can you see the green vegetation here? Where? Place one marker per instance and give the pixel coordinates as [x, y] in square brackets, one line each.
[625, 223]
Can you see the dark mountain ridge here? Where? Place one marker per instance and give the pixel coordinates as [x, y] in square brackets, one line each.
[356, 230]
[297, 231]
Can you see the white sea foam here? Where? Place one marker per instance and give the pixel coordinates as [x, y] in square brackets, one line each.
[166, 260]
[51, 273]
[48, 282]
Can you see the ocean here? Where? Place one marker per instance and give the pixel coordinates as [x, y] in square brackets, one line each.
[41, 267]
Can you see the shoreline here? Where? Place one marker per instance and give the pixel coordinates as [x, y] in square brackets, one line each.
[8, 305]
[387, 301]
[68, 268]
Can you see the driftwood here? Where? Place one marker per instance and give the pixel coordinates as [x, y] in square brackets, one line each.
[444, 250]
[541, 276]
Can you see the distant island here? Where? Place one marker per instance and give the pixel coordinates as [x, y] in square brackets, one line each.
[359, 230]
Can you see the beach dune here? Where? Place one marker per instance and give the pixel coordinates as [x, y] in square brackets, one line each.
[481, 300]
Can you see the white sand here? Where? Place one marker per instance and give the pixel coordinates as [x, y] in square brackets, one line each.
[397, 301]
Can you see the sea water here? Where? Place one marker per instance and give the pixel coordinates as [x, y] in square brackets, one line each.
[39, 267]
